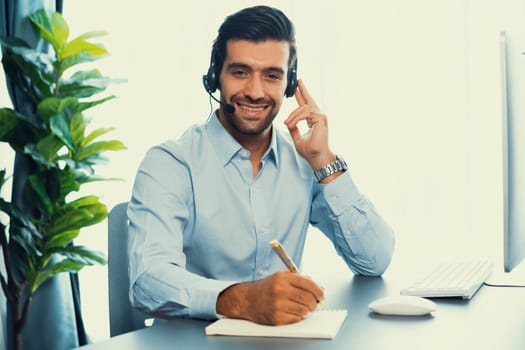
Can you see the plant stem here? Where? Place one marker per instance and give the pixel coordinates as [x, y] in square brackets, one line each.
[8, 266]
[13, 291]
[2, 279]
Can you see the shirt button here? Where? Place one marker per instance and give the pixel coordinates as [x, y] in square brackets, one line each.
[245, 154]
[261, 271]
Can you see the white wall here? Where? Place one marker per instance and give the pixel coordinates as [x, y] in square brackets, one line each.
[411, 89]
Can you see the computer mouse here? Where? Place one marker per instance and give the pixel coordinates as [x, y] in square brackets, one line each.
[403, 305]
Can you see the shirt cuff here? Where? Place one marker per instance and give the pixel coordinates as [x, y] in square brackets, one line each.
[340, 193]
[203, 303]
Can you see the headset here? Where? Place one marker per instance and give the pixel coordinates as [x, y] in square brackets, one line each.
[211, 79]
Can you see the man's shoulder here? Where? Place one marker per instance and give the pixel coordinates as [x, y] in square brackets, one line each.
[186, 146]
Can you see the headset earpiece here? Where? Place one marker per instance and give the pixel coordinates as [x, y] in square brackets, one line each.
[210, 80]
[292, 81]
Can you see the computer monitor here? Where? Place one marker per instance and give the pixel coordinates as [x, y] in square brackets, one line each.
[513, 81]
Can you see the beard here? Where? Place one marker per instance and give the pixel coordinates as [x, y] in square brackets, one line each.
[245, 126]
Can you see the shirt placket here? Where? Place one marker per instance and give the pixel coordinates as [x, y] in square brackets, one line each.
[259, 208]
[262, 228]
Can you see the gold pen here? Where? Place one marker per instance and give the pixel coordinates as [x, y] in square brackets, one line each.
[279, 249]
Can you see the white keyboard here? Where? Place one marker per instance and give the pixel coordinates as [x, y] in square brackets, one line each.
[452, 279]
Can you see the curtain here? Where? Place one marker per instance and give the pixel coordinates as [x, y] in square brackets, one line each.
[54, 321]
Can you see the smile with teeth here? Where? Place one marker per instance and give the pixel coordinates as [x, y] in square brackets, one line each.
[252, 109]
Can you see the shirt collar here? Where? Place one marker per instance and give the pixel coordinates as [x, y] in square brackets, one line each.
[227, 147]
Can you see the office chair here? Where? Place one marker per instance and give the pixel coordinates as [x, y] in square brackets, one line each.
[123, 317]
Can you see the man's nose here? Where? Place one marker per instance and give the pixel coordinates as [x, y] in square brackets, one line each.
[254, 88]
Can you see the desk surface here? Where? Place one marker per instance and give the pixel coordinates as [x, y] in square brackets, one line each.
[493, 319]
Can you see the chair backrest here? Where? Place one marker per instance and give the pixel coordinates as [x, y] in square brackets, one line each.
[123, 317]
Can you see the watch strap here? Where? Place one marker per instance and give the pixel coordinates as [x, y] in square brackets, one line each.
[338, 165]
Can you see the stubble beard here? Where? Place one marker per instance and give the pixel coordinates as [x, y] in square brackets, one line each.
[247, 128]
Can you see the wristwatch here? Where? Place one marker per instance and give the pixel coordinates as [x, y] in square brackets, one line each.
[332, 168]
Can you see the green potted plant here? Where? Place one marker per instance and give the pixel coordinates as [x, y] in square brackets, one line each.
[62, 153]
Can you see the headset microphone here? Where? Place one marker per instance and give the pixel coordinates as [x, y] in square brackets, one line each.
[227, 107]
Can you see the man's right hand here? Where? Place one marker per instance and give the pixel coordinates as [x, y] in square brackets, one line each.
[281, 298]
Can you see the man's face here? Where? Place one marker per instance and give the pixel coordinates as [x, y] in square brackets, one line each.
[253, 80]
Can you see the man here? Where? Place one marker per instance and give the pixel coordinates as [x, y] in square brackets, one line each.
[205, 207]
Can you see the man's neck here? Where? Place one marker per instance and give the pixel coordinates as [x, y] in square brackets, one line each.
[256, 144]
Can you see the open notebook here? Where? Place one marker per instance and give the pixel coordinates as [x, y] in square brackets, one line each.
[322, 324]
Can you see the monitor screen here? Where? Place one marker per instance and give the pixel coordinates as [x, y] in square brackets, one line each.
[513, 152]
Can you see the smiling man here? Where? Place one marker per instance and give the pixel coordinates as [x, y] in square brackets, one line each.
[204, 207]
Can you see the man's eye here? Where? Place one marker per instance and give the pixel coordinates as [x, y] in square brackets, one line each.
[274, 76]
[239, 73]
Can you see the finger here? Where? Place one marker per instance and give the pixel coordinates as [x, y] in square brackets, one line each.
[306, 299]
[294, 131]
[282, 318]
[299, 95]
[305, 95]
[304, 113]
[308, 285]
[293, 119]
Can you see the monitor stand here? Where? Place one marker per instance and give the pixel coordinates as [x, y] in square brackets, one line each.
[515, 278]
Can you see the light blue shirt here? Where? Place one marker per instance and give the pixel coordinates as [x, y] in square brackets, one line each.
[200, 222]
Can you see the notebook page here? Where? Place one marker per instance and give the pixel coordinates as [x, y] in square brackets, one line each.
[322, 324]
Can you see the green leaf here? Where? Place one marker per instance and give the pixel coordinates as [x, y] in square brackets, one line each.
[51, 27]
[42, 21]
[83, 202]
[84, 89]
[43, 199]
[13, 42]
[95, 134]
[84, 84]
[35, 65]
[48, 147]
[63, 238]
[68, 182]
[73, 60]
[92, 34]
[16, 129]
[8, 124]
[80, 45]
[80, 254]
[88, 163]
[70, 220]
[77, 127]
[67, 265]
[34, 153]
[24, 239]
[54, 105]
[75, 216]
[60, 29]
[36, 278]
[80, 51]
[19, 218]
[85, 105]
[87, 179]
[97, 147]
[59, 124]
